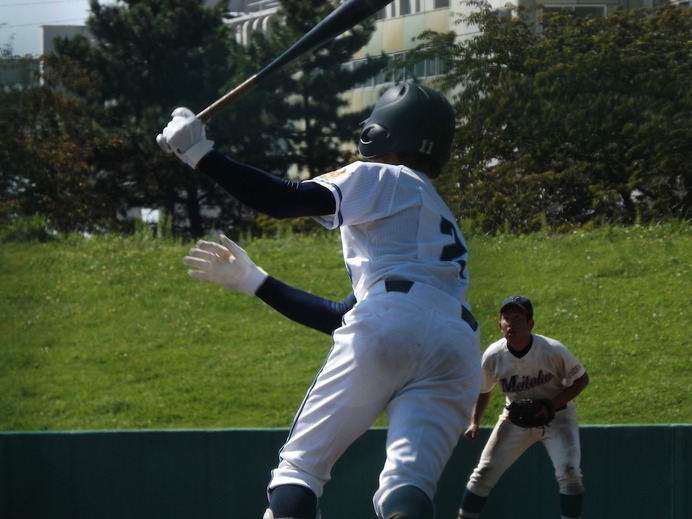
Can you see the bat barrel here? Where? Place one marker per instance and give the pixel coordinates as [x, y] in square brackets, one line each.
[347, 15]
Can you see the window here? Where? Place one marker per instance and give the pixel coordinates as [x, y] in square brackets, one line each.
[404, 7]
[580, 11]
[434, 67]
[399, 73]
[427, 68]
[419, 69]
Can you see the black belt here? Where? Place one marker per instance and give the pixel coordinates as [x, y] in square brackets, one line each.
[403, 285]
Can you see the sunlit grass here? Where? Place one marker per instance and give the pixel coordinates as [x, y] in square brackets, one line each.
[111, 333]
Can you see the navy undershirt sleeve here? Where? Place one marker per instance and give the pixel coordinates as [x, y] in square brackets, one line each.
[304, 308]
[266, 193]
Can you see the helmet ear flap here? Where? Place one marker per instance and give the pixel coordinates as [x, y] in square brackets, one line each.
[373, 133]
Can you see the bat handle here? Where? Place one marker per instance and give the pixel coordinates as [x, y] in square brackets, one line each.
[240, 91]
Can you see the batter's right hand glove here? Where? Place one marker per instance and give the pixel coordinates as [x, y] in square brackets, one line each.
[185, 136]
[225, 264]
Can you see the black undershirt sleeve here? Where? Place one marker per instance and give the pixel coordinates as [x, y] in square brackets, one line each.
[304, 308]
[266, 193]
[280, 198]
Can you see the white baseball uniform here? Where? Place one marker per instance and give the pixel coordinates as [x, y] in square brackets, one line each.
[404, 348]
[543, 372]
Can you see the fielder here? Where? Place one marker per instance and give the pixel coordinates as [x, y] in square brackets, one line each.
[528, 366]
[409, 346]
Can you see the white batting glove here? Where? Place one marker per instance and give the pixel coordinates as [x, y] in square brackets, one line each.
[225, 264]
[185, 136]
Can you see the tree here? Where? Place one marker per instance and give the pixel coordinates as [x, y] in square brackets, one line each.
[158, 54]
[149, 57]
[588, 119]
[145, 57]
[50, 151]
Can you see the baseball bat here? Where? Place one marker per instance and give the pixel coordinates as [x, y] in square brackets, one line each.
[341, 19]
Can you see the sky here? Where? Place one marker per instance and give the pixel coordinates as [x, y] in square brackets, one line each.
[20, 21]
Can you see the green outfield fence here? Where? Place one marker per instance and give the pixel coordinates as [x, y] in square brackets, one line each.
[630, 471]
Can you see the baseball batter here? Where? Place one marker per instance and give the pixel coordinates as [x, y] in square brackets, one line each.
[409, 345]
[530, 366]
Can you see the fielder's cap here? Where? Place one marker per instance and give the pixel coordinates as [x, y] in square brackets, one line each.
[522, 302]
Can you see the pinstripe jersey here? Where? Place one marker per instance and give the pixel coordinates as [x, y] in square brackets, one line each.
[543, 372]
[394, 225]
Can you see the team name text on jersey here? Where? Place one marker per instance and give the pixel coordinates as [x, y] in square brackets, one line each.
[514, 385]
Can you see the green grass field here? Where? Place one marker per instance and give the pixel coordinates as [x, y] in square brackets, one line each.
[111, 333]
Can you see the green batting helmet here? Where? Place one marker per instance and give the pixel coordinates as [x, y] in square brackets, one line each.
[409, 118]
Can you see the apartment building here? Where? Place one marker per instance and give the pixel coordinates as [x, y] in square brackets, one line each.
[397, 26]
[401, 21]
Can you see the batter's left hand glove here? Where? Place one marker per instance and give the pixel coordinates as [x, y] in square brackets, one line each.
[185, 136]
[225, 264]
[528, 413]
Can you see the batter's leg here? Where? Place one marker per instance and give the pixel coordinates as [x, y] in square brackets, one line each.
[292, 502]
[408, 502]
[352, 389]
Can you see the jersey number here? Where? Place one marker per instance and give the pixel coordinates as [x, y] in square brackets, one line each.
[426, 146]
[455, 251]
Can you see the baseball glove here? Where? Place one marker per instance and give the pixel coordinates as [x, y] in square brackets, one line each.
[525, 413]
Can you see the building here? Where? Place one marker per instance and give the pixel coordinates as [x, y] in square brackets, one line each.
[246, 16]
[397, 26]
[24, 71]
[401, 21]
[48, 34]
[18, 72]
